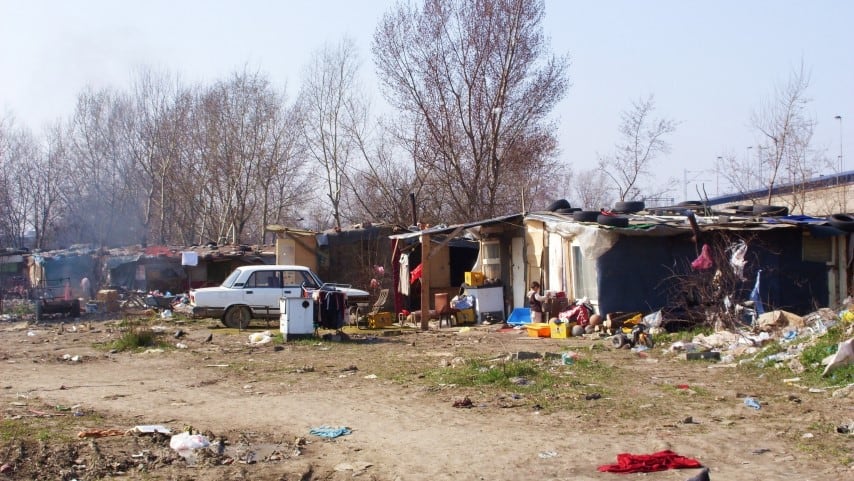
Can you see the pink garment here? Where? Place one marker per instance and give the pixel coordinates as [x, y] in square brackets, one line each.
[704, 261]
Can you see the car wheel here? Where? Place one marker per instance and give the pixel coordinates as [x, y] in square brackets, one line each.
[237, 317]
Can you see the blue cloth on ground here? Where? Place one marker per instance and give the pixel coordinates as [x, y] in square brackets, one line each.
[329, 432]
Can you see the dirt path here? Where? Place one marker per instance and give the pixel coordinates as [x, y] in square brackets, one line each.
[408, 430]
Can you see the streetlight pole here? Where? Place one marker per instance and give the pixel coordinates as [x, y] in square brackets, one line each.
[749, 167]
[718, 176]
[841, 162]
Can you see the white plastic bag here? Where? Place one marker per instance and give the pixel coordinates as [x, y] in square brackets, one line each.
[257, 338]
[186, 441]
[653, 320]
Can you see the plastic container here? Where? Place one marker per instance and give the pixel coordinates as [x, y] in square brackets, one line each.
[538, 329]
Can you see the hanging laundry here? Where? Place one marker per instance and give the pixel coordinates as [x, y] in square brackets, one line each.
[415, 275]
[737, 261]
[754, 296]
[704, 261]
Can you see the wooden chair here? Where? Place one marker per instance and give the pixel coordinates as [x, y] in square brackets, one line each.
[372, 318]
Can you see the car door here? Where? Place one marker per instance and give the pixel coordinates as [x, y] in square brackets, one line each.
[263, 290]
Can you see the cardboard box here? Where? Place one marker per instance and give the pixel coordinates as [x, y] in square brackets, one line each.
[380, 319]
[465, 316]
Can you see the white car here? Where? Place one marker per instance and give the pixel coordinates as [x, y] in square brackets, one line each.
[255, 291]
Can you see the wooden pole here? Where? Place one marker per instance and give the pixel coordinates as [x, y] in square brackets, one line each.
[425, 282]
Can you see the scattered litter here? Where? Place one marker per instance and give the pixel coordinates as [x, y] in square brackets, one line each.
[760, 451]
[100, 433]
[807, 436]
[260, 338]
[358, 467]
[330, 432]
[750, 402]
[568, 358]
[371, 376]
[185, 441]
[463, 403]
[548, 454]
[705, 355]
[151, 428]
[592, 396]
[74, 358]
[181, 345]
[844, 355]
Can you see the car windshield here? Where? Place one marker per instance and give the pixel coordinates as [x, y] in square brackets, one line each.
[229, 281]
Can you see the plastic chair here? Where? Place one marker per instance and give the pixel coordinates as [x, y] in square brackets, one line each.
[443, 308]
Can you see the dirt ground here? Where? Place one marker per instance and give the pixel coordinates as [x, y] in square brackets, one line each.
[257, 405]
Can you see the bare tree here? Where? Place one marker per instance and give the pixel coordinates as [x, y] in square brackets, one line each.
[155, 131]
[785, 152]
[332, 109]
[642, 140]
[18, 155]
[589, 189]
[478, 80]
[242, 143]
[787, 129]
[103, 206]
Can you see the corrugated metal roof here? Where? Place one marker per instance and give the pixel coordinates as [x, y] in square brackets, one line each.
[444, 229]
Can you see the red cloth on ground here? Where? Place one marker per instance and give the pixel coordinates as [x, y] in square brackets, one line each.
[646, 463]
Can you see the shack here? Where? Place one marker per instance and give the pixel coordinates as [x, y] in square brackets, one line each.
[689, 265]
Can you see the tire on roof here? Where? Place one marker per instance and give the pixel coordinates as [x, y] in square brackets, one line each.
[558, 204]
[613, 220]
[770, 210]
[629, 206]
[585, 215]
[843, 222]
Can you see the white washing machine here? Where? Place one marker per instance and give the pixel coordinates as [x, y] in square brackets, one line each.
[297, 316]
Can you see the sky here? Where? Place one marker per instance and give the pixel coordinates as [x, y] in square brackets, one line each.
[709, 65]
